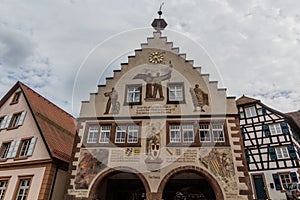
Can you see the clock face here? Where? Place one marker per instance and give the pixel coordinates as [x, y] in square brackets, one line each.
[156, 57]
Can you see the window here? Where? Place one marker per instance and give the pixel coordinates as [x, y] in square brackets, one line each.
[218, 134]
[275, 129]
[120, 134]
[16, 98]
[133, 95]
[133, 131]
[282, 152]
[4, 150]
[27, 146]
[16, 120]
[188, 133]
[127, 132]
[104, 133]
[250, 111]
[185, 131]
[93, 134]
[285, 180]
[3, 185]
[175, 135]
[175, 93]
[23, 189]
[204, 133]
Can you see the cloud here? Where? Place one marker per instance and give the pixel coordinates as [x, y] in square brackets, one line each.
[250, 47]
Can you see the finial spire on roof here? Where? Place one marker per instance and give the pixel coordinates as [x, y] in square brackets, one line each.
[159, 24]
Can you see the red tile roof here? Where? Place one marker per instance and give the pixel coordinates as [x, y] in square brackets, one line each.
[57, 127]
[246, 100]
[295, 116]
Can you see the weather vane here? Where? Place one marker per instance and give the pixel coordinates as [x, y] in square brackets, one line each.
[159, 11]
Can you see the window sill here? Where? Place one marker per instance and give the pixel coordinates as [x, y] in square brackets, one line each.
[14, 102]
[21, 158]
[11, 128]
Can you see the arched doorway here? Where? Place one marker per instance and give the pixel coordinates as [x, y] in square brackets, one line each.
[190, 183]
[121, 183]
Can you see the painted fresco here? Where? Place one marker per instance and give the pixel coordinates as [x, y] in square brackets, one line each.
[220, 163]
[91, 163]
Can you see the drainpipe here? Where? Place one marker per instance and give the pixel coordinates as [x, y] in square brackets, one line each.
[53, 184]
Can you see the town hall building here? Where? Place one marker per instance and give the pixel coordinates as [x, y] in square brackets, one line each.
[159, 129]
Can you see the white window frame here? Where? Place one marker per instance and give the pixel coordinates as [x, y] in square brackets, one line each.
[120, 134]
[205, 129]
[217, 132]
[181, 133]
[133, 133]
[275, 129]
[285, 179]
[93, 134]
[188, 133]
[250, 111]
[175, 133]
[176, 92]
[104, 133]
[3, 187]
[282, 152]
[23, 189]
[133, 94]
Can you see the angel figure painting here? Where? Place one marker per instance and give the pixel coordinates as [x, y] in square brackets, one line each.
[153, 82]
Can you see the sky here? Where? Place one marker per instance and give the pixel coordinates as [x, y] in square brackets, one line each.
[251, 47]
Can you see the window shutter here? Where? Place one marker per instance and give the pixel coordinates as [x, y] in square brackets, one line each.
[11, 148]
[294, 176]
[15, 150]
[22, 117]
[3, 122]
[31, 146]
[292, 151]
[247, 156]
[243, 133]
[7, 121]
[266, 130]
[284, 127]
[272, 153]
[277, 182]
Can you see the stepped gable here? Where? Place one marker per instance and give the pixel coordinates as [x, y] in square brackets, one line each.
[246, 100]
[57, 127]
[160, 43]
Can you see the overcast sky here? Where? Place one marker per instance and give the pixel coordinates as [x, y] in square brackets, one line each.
[254, 45]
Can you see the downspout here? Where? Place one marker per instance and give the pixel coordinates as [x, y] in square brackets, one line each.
[53, 184]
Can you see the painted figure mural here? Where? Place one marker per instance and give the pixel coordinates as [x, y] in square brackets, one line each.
[112, 101]
[199, 98]
[153, 83]
[90, 165]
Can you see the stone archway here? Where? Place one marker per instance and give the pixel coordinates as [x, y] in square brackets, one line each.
[128, 175]
[208, 178]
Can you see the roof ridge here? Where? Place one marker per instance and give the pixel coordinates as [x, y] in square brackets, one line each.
[45, 99]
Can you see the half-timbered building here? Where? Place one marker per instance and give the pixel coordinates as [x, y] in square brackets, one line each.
[271, 143]
[36, 139]
[159, 129]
